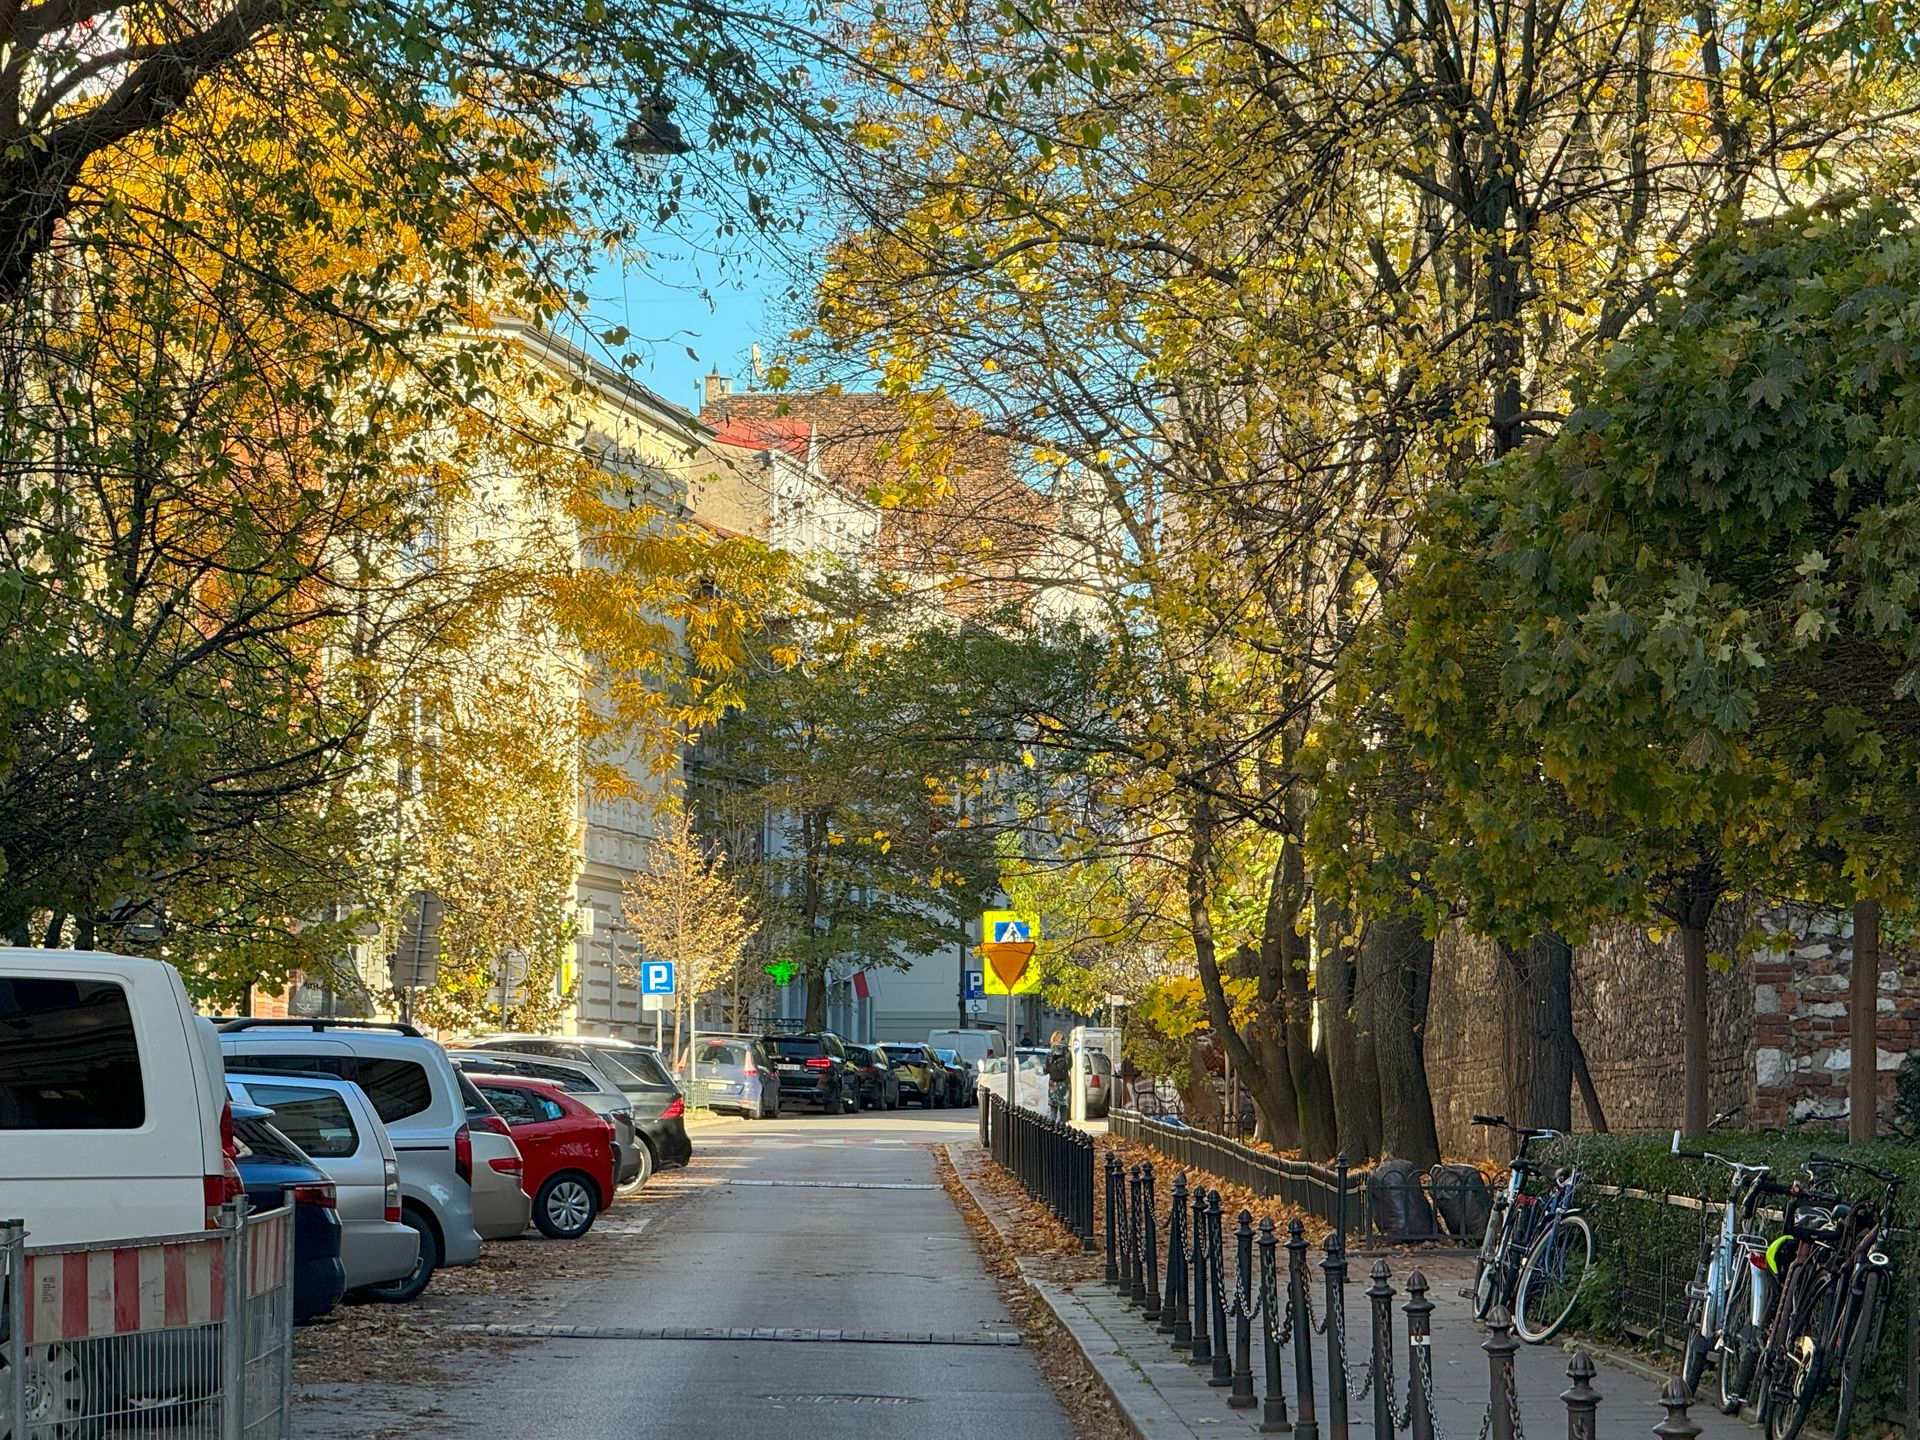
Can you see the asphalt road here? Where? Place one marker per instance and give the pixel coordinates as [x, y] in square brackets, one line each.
[788, 1228]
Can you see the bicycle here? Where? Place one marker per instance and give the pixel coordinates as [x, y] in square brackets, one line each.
[1833, 1301]
[1732, 1290]
[1538, 1249]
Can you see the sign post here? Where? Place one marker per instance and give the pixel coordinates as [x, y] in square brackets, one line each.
[656, 981]
[1007, 941]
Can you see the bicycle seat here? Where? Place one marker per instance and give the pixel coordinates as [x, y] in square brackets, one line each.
[1526, 1167]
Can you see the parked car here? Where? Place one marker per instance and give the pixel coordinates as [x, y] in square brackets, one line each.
[277, 1172]
[923, 1079]
[974, 1044]
[418, 1096]
[960, 1076]
[502, 1209]
[659, 1111]
[814, 1070]
[1099, 1083]
[582, 1081]
[879, 1085]
[568, 1151]
[736, 1072]
[112, 1100]
[334, 1124]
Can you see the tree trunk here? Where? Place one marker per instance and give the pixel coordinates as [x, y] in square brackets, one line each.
[816, 1002]
[1537, 985]
[1695, 1111]
[1393, 976]
[1356, 1090]
[1276, 1110]
[1312, 1084]
[1863, 1024]
[1589, 1097]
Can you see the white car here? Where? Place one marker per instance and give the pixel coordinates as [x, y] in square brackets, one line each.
[112, 1100]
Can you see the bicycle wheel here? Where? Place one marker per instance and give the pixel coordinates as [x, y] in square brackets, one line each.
[1858, 1350]
[1739, 1345]
[1552, 1278]
[1805, 1363]
[1491, 1244]
[1693, 1360]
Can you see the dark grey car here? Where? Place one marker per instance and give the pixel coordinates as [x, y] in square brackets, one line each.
[659, 1112]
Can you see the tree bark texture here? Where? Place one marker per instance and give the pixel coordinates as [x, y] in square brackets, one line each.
[1356, 1089]
[1287, 956]
[1393, 977]
[1537, 987]
[1695, 1111]
[1863, 1024]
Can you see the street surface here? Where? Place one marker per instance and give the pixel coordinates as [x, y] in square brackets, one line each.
[789, 1228]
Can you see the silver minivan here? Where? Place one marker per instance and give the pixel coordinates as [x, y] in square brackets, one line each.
[419, 1097]
[334, 1122]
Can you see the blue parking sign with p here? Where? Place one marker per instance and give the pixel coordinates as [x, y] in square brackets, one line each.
[656, 977]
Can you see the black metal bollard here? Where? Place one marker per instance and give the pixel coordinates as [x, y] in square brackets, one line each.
[1172, 1310]
[1419, 1357]
[1380, 1298]
[1150, 1239]
[1273, 1414]
[1131, 1287]
[1200, 1352]
[1678, 1425]
[1113, 1219]
[1222, 1375]
[1306, 1422]
[1500, 1347]
[1242, 1396]
[1334, 1268]
[1340, 1199]
[1581, 1399]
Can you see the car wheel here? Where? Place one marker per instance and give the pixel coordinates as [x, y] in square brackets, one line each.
[565, 1205]
[409, 1287]
[56, 1396]
[647, 1164]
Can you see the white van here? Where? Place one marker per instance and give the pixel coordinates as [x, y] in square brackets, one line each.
[114, 1123]
[973, 1045]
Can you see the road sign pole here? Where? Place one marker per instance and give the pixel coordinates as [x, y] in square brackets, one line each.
[1013, 1051]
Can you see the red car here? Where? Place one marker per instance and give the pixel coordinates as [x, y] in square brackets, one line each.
[568, 1149]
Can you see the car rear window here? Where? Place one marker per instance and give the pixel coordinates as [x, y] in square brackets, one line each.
[719, 1052]
[797, 1047]
[256, 1137]
[68, 1056]
[318, 1121]
[514, 1105]
[638, 1065]
[397, 1088]
[905, 1052]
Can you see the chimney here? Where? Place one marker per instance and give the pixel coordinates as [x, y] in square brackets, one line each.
[719, 388]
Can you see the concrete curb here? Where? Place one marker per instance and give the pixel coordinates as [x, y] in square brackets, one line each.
[1142, 1409]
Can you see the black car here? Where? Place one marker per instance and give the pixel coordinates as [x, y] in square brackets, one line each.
[814, 1070]
[275, 1172]
[879, 1087]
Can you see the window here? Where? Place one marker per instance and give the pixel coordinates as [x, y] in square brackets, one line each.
[798, 1049]
[630, 1067]
[398, 1088]
[340, 1066]
[256, 1137]
[475, 1103]
[68, 1057]
[515, 1106]
[719, 1052]
[315, 1120]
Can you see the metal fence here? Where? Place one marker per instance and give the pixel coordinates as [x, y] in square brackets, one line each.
[1052, 1160]
[180, 1337]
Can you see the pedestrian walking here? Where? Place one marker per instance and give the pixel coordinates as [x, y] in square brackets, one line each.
[1059, 1073]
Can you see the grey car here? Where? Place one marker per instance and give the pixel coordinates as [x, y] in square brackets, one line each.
[582, 1081]
[335, 1124]
[419, 1097]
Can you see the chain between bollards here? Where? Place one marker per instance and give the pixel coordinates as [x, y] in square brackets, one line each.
[1222, 1375]
[1136, 1285]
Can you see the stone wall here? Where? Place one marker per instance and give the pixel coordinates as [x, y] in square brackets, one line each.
[1626, 1005]
[1777, 1030]
[1801, 1052]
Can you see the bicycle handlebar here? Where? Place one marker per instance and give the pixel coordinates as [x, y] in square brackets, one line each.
[1885, 1177]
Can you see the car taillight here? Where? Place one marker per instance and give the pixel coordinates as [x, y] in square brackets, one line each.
[319, 1193]
[820, 1062]
[391, 1171]
[495, 1124]
[675, 1110]
[463, 1154]
[512, 1165]
[218, 1190]
[228, 1145]
[752, 1069]
[1093, 1082]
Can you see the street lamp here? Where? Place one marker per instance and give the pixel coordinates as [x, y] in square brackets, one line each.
[652, 131]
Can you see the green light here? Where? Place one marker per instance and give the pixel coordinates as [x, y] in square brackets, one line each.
[783, 971]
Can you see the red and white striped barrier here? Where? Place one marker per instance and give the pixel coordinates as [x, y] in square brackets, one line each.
[88, 1294]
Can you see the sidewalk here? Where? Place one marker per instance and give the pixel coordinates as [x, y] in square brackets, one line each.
[1161, 1397]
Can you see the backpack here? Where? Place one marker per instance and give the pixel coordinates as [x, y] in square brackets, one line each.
[1057, 1065]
